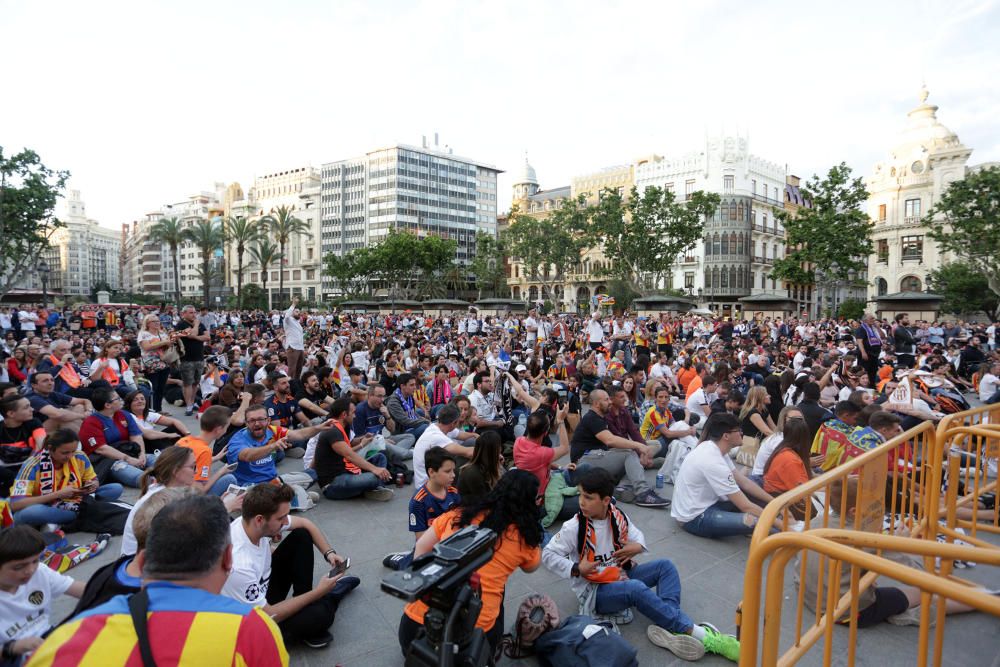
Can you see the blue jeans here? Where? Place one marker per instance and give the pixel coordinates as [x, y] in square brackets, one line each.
[720, 520]
[222, 484]
[418, 431]
[346, 485]
[129, 475]
[38, 515]
[654, 589]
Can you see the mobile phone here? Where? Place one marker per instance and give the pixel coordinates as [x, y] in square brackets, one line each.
[340, 568]
[232, 467]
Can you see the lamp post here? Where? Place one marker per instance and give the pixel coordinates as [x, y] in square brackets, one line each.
[43, 272]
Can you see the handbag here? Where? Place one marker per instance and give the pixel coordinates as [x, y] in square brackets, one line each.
[747, 453]
[172, 355]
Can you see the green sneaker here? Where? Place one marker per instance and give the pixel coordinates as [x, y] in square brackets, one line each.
[727, 646]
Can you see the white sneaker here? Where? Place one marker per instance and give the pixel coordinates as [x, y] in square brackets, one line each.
[683, 646]
[313, 496]
[381, 493]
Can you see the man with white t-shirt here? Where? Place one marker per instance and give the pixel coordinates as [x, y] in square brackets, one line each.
[989, 385]
[531, 327]
[439, 434]
[710, 494]
[27, 589]
[595, 331]
[700, 402]
[263, 578]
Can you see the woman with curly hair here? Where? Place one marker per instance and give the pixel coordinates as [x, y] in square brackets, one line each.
[511, 511]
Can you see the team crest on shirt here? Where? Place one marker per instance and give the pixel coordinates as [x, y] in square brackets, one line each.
[36, 598]
[413, 519]
[20, 488]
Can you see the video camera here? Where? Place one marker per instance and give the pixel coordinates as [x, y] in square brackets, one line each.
[441, 579]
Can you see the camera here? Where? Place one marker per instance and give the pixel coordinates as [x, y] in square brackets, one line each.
[443, 579]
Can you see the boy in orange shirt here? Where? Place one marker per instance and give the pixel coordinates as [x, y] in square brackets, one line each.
[214, 423]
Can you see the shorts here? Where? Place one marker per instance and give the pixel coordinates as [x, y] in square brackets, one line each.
[888, 602]
[191, 372]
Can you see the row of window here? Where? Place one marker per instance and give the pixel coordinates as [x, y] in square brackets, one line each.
[737, 244]
[911, 211]
[912, 247]
[295, 275]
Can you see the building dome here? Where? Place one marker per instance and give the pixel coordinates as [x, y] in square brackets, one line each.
[924, 133]
[527, 175]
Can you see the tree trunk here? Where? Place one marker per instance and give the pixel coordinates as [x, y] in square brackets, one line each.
[239, 278]
[281, 276]
[177, 275]
[267, 295]
[207, 286]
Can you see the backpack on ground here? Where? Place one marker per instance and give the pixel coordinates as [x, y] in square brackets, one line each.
[582, 641]
[537, 615]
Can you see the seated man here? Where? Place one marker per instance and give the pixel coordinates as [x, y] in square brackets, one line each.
[27, 590]
[699, 401]
[21, 435]
[710, 494]
[372, 416]
[263, 578]
[443, 433]
[284, 410]
[53, 409]
[619, 419]
[832, 439]
[253, 450]
[432, 499]
[594, 444]
[658, 424]
[313, 399]
[403, 408]
[595, 549]
[341, 470]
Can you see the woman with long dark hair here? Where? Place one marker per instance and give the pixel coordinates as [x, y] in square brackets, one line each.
[789, 466]
[511, 511]
[478, 477]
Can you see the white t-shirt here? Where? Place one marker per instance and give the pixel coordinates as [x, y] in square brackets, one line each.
[25, 612]
[988, 386]
[767, 447]
[697, 402]
[251, 573]
[595, 331]
[705, 478]
[484, 405]
[129, 544]
[431, 437]
[532, 335]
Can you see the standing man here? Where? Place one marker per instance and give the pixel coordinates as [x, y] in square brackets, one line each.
[294, 344]
[595, 331]
[869, 340]
[903, 341]
[195, 336]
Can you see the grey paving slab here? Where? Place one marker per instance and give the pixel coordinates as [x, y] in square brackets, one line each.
[711, 571]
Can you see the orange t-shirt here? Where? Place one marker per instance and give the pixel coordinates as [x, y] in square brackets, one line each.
[685, 375]
[692, 386]
[510, 554]
[202, 456]
[785, 472]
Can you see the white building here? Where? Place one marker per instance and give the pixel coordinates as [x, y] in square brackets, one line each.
[425, 190]
[82, 255]
[743, 238]
[926, 157]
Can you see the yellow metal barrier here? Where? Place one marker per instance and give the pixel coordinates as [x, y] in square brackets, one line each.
[899, 481]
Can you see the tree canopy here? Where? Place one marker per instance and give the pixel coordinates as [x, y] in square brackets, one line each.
[965, 290]
[549, 247]
[28, 193]
[488, 266]
[966, 221]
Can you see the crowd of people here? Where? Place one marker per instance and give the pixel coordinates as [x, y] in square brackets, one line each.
[479, 413]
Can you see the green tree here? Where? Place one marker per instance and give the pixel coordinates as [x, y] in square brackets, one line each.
[241, 232]
[489, 265]
[851, 309]
[253, 297]
[28, 193]
[353, 272]
[827, 244]
[284, 226]
[436, 261]
[208, 236]
[644, 235]
[966, 221]
[548, 248]
[965, 290]
[172, 232]
[264, 254]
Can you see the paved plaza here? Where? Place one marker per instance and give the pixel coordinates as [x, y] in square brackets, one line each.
[711, 571]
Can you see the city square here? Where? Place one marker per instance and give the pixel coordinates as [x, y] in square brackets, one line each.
[275, 337]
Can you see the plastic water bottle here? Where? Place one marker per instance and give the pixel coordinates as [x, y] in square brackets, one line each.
[659, 481]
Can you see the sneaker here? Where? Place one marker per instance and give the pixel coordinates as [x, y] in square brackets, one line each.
[624, 494]
[343, 586]
[650, 499]
[381, 493]
[394, 560]
[319, 641]
[188, 411]
[295, 452]
[728, 646]
[910, 617]
[313, 496]
[683, 646]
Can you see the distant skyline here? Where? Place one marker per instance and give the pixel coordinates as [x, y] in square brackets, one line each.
[148, 103]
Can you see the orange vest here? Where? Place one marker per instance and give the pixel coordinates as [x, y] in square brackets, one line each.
[111, 375]
[68, 373]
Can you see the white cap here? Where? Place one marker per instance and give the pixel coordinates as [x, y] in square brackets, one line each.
[520, 367]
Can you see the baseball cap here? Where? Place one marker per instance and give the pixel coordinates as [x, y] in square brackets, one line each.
[521, 367]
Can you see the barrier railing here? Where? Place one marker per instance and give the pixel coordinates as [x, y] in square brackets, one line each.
[886, 499]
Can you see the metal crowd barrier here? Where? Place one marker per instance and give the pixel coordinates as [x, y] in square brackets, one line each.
[887, 502]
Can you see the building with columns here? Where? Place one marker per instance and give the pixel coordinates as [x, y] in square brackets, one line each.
[924, 160]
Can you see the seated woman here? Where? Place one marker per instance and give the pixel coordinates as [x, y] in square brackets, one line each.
[511, 511]
[113, 440]
[137, 406]
[478, 477]
[229, 394]
[789, 465]
[111, 367]
[51, 483]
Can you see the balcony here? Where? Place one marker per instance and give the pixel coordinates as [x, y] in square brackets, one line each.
[882, 258]
[763, 260]
[912, 220]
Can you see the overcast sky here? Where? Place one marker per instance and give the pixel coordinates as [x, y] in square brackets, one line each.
[147, 103]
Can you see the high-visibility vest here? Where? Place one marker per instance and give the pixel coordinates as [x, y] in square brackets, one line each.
[68, 373]
[111, 375]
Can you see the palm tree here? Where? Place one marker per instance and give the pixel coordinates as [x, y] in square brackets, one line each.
[284, 226]
[171, 231]
[264, 254]
[209, 236]
[241, 231]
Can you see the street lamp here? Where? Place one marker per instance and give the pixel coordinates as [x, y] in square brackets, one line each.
[43, 272]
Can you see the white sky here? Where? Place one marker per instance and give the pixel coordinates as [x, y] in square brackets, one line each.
[147, 103]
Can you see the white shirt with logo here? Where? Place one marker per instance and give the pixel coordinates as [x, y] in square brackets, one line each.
[705, 478]
[25, 612]
[251, 571]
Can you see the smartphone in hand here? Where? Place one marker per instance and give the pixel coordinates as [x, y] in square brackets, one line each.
[340, 568]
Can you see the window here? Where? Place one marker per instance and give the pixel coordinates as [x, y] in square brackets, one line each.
[689, 280]
[688, 189]
[728, 183]
[882, 251]
[913, 247]
[881, 212]
[668, 186]
[882, 286]
[753, 186]
[910, 284]
[912, 211]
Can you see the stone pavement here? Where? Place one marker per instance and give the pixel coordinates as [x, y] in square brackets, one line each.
[711, 571]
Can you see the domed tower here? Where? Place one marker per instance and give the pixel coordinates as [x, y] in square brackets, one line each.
[526, 183]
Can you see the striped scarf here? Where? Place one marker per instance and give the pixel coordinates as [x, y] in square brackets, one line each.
[588, 544]
[408, 405]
